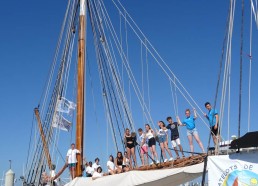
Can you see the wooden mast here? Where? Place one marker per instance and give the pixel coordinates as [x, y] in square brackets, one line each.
[43, 138]
[80, 87]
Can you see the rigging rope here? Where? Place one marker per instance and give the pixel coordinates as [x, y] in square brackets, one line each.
[250, 71]
[161, 66]
[230, 18]
[241, 69]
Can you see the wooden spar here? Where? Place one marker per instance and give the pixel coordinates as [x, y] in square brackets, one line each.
[45, 146]
[80, 88]
[60, 172]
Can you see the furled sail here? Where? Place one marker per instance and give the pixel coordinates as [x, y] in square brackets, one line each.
[175, 176]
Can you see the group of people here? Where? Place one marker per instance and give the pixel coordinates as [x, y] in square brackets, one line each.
[147, 142]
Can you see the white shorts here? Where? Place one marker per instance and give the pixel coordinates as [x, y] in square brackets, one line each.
[175, 142]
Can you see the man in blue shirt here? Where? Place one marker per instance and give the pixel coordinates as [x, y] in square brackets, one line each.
[213, 119]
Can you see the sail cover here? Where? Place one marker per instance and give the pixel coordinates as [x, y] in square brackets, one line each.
[169, 177]
[235, 169]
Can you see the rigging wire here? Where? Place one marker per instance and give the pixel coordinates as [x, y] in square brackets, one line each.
[241, 69]
[28, 152]
[229, 17]
[118, 86]
[162, 67]
[105, 100]
[127, 67]
[155, 51]
[250, 72]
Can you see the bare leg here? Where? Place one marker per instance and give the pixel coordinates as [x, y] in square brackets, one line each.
[176, 151]
[154, 151]
[190, 139]
[196, 136]
[169, 152]
[129, 156]
[134, 157]
[142, 159]
[181, 149]
[147, 159]
[163, 150]
[73, 172]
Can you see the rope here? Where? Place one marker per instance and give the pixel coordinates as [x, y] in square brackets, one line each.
[105, 100]
[118, 84]
[241, 69]
[28, 152]
[143, 120]
[147, 74]
[250, 72]
[128, 69]
[228, 30]
[158, 55]
[163, 68]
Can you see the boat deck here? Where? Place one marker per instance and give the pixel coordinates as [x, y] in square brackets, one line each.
[182, 162]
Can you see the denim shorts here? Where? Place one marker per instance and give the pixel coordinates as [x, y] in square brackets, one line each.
[162, 138]
[192, 132]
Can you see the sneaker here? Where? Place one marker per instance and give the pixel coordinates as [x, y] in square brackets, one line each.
[151, 163]
[165, 160]
[171, 159]
[157, 161]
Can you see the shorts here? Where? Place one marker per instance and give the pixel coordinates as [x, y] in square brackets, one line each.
[174, 137]
[71, 165]
[192, 132]
[130, 145]
[214, 131]
[175, 142]
[144, 149]
[162, 138]
[151, 142]
[88, 175]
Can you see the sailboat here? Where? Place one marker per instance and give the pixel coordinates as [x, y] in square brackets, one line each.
[56, 109]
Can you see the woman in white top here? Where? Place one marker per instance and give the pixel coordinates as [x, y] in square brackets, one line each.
[163, 140]
[126, 162]
[151, 142]
[98, 173]
[111, 166]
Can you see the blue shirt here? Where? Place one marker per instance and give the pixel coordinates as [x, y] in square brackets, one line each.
[189, 122]
[211, 117]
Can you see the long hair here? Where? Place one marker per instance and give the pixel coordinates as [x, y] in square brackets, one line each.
[121, 155]
[148, 126]
[112, 158]
[163, 124]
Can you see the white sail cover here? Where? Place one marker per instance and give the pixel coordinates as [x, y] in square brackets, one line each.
[169, 177]
[235, 169]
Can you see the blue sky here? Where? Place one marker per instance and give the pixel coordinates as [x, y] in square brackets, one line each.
[187, 34]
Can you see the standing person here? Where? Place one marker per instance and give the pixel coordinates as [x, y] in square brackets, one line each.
[71, 159]
[130, 144]
[189, 122]
[163, 140]
[213, 118]
[151, 142]
[175, 140]
[143, 147]
[89, 170]
[96, 164]
[111, 166]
